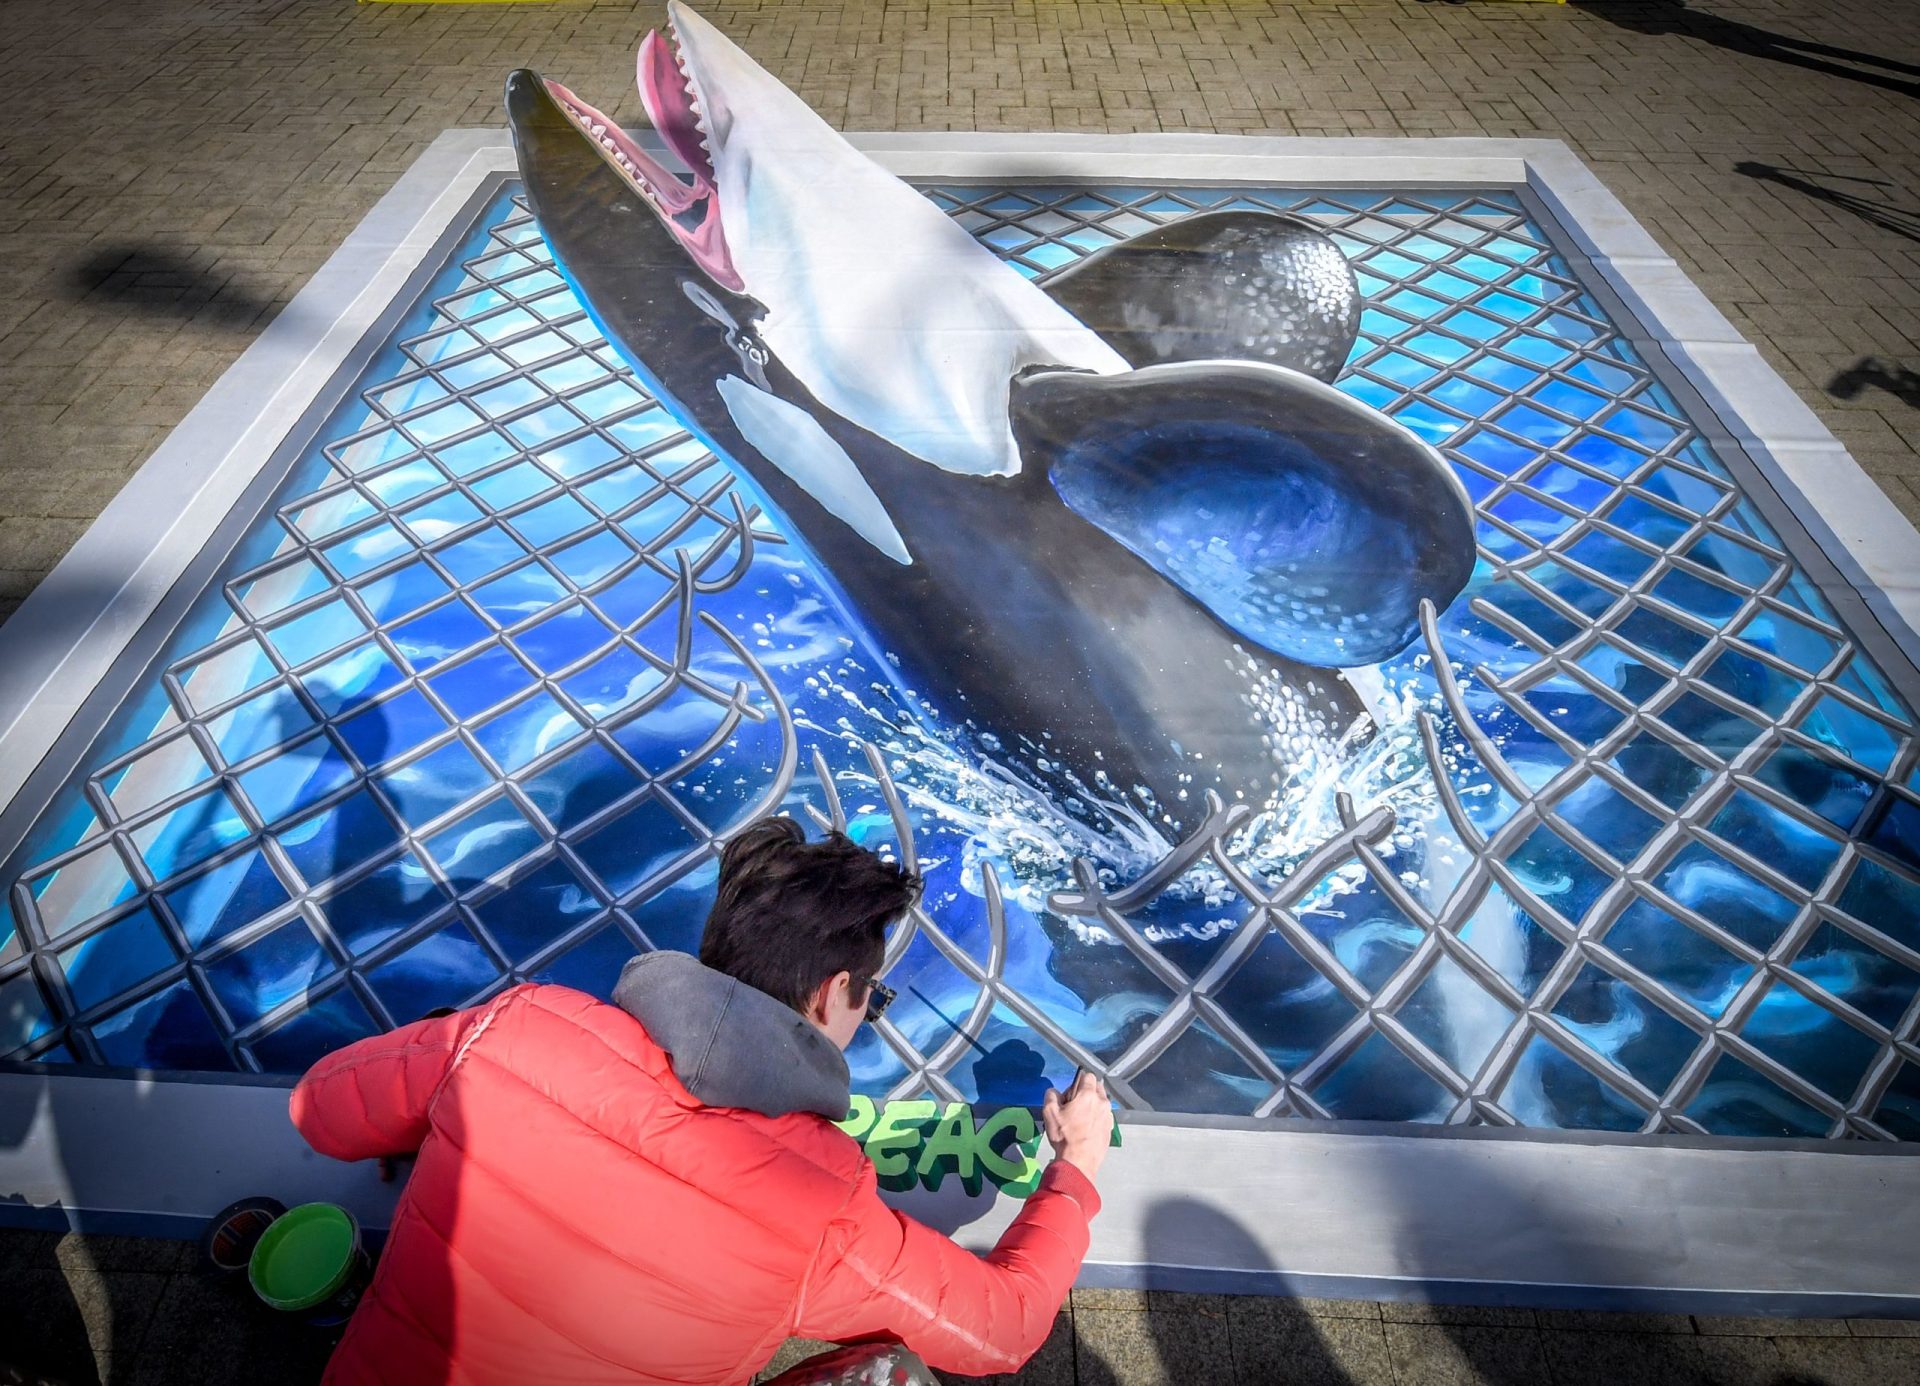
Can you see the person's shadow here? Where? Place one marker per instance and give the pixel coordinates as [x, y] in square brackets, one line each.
[1672, 17]
[1888, 216]
[1235, 1336]
[1011, 1074]
[1898, 381]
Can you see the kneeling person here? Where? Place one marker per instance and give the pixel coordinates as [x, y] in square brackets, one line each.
[654, 1190]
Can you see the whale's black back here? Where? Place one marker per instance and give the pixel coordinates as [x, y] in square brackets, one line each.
[1016, 616]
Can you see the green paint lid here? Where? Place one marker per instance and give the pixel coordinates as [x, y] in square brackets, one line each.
[305, 1257]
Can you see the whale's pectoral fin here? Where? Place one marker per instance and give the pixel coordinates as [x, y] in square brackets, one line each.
[1241, 286]
[1305, 520]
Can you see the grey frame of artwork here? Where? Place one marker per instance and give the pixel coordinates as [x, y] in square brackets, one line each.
[696, 490]
[40, 711]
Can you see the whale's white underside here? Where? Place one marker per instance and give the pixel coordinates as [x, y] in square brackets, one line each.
[888, 311]
[793, 440]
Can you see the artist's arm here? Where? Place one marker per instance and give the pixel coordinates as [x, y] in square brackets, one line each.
[371, 1098]
[881, 1274]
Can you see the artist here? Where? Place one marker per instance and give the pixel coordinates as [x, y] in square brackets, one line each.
[654, 1190]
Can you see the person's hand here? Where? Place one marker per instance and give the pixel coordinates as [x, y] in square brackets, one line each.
[1079, 1125]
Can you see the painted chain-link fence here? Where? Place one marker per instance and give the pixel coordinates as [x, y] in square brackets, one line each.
[1630, 840]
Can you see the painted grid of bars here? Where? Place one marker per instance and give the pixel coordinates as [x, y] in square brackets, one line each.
[1460, 297]
[516, 409]
[512, 412]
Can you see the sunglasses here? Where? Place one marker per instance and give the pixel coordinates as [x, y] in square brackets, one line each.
[879, 997]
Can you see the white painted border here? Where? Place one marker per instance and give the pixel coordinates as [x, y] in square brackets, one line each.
[1520, 1218]
[1368, 1214]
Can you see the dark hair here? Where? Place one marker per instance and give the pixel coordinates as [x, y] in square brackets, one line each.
[789, 913]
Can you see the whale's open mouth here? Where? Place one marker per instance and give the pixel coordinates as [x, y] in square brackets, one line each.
[886, 310]
[689, 206]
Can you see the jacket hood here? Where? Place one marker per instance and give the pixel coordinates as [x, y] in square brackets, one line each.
[732, 1045]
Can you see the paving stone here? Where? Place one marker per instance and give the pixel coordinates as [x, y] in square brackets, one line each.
[43, 1332]
[1283, 1307]
[1616, 1359]
[1612, 1321]
[22, 1250]
[1133, 1301]
[157, 1255]
[1884, 1328]
[1740, 1326]
[1476, 1315]
[71, 1323]
[1121, 1345]
[1180, 1302]
[1849, 1361]
[1308, 1352]
[217, 1333]
[1738, 1361]
[1459, 1355]
[791, 1354]
[1659, 1359]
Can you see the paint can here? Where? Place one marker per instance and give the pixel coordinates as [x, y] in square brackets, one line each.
[227, 1244]
[310, 1264]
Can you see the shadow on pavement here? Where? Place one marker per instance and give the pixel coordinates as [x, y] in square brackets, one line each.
[1664, 17]
[162, 282]
[1896, 380]
[1900, 221]
[1204, 1339]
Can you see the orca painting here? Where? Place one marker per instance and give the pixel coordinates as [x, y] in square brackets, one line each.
[1119, 515]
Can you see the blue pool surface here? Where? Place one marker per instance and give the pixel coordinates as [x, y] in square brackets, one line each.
[474, 694]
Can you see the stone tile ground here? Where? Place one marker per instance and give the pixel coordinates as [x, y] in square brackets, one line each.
[114, 1310]
[172, 171]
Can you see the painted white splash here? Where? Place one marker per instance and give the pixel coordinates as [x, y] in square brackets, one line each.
[889, 312]
[793, 440]
[1370, 684]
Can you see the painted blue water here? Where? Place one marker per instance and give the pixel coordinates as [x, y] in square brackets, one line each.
[454, 640]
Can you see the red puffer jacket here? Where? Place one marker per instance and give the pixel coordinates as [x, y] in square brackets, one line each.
[577, 1215]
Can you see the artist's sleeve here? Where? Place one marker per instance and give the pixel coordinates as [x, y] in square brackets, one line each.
[371, 1098]
[880, 1274]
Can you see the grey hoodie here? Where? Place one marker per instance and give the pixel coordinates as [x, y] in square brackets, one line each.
[733, 1045]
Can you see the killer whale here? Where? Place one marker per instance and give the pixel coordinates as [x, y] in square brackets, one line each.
[1139, 571]
[1011, 612]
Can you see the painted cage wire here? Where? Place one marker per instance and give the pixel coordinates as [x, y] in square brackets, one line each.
[374, 744]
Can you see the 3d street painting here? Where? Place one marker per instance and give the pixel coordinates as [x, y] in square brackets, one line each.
[1318, 660]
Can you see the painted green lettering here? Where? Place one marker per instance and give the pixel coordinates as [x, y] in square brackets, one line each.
[859, 1116]
[950, 1146]
[888, 1143]
[1018, 1171]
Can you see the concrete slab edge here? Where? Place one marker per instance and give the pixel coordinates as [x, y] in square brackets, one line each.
[1329, 1214]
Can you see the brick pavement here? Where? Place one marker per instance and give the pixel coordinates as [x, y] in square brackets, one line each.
[172, 171]
[78, 1310]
